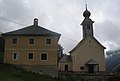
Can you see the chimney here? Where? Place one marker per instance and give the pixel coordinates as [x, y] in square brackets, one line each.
[36, 21]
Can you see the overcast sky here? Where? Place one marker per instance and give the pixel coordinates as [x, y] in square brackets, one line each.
[65, 17]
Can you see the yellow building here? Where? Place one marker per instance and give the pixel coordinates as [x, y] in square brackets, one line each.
[88, 55]
[33, 48]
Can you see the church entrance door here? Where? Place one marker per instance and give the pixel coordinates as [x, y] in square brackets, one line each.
[90, 68]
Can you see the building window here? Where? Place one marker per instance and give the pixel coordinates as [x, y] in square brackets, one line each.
[82, 68]
[15, 56]
[30, 56]
[31, 41]
[66, 67]
[14, 41]
[48, 41]
[44, 56]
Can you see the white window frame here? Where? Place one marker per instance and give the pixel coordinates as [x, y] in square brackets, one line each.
[29, 40]
[17, 56]
[41, 56]
[28, 56]
[46, 41]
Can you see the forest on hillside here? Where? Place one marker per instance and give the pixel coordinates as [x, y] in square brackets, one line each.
[112, 60]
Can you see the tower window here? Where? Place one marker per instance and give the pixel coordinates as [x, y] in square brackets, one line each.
[88, 26]
[83, 27]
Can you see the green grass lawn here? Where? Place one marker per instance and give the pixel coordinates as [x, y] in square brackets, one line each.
[11, 73]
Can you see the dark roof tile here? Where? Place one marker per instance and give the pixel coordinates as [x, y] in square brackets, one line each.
[66, 58]
[32, 30]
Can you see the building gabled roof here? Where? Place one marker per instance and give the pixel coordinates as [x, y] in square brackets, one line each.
[84, 40]
[66, 58]
[33, 30]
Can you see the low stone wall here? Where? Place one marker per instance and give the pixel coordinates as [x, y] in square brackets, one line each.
[50, 70]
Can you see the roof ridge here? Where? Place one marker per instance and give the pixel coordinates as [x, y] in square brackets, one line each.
[32, 30]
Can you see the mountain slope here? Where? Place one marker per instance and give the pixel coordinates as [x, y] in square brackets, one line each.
[112, 60]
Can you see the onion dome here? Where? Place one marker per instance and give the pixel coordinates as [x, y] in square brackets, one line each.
[86, 13]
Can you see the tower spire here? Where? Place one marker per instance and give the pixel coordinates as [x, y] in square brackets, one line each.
[87, 24]
[86, 12]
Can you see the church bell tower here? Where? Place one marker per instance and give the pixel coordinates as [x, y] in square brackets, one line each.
[87, 24]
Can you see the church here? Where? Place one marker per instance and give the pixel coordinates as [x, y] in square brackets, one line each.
[88, 55]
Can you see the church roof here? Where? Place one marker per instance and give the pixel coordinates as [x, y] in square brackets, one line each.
[84, 40]
[33, 30]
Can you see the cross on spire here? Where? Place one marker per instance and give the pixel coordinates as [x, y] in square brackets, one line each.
[86, 5]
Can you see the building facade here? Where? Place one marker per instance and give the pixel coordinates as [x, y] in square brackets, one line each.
[88, 55]
[33, 48]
